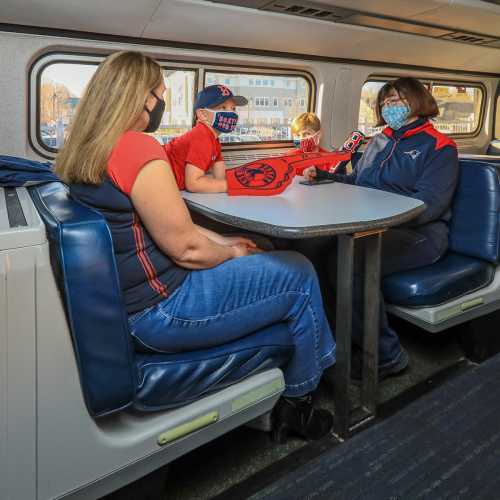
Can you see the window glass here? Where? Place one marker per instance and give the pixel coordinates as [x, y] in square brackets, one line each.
[367, 116]
[271, 106]
[179, 101]
[497, 118]
[459, 107]
[62, 86]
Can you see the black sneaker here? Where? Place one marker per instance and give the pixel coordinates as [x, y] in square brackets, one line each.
[384, 371]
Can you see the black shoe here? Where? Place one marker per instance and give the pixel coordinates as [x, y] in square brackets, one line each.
[384, 371]
[297, 415]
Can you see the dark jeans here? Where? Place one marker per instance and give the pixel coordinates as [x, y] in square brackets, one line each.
[402, 249]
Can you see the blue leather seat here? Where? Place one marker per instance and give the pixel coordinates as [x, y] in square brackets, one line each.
[474, 245]
[112, 375]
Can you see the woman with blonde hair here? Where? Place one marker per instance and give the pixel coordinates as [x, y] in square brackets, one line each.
[184, 287]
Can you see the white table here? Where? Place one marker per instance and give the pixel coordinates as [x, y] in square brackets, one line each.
[339, 209]
[309, 211]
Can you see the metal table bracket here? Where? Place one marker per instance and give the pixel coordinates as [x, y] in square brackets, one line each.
[345, 265]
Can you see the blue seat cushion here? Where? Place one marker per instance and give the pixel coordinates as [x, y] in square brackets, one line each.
[82, 258]
[113, 376]
[451, 277]
[170, 380]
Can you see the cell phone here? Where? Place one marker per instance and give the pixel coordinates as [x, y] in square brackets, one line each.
[317, 183]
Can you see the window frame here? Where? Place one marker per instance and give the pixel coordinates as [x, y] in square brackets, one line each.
[445, 82]
[200, 69]
[49, 59]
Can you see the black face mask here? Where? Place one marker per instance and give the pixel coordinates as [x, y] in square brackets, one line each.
[155, 115]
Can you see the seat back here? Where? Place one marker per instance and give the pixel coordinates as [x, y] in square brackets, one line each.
[83, 263]
[475, 224]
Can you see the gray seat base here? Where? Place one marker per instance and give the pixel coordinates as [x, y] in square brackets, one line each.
[435, 319]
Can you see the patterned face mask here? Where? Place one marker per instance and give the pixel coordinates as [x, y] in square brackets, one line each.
[307, 144]
[396, 116]
[224, 121]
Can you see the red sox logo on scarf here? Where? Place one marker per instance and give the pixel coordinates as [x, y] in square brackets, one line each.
[224, 90]
[258, 176]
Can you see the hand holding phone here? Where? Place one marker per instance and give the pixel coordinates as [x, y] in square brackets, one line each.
[314, 182]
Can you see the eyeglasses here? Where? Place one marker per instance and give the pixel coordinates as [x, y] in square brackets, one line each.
[393, 100]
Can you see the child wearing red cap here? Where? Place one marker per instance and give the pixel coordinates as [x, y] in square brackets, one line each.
[195, 156]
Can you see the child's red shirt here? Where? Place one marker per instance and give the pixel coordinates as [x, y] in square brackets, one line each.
[199, 147]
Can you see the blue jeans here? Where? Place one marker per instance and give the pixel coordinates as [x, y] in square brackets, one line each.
[219, 305]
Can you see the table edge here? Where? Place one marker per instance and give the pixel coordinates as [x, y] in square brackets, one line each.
[311, 232]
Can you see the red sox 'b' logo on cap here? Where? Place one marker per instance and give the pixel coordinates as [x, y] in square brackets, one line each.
[224, 90]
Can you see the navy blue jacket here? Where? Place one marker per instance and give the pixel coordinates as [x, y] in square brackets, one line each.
[416, 161]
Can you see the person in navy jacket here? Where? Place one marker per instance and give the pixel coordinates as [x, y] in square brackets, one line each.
[409, 157]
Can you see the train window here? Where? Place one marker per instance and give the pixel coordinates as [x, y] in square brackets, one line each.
[61, 86]
[271, 106]
[178, 116]
[367, 117]
[459, 107]
[497, 118]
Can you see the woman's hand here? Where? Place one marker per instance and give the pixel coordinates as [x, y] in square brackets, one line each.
[240, 250]
[310, 173]
[238, 240]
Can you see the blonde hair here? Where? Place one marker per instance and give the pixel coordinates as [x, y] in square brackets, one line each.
[112, 102]
[305, 120]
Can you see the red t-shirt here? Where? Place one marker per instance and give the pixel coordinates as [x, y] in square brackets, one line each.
[132, 151]
[199, 146]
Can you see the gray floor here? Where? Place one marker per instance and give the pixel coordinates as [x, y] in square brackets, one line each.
[243, 452]
[442, 446]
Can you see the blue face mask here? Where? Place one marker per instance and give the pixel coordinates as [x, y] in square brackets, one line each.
[396, 116]
[224, 121]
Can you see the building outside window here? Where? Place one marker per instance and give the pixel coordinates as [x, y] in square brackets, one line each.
[272, 104]
[63, 84]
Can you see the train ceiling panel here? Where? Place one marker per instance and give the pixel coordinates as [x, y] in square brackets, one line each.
[433, 19]
[363, 30]
[123, 17]
[471, 16]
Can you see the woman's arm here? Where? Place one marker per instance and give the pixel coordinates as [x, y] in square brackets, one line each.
[158, 202]
[437, 185]
[226, 240]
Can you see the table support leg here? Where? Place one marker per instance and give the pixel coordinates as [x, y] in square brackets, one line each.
[371, 323]
[345, 257]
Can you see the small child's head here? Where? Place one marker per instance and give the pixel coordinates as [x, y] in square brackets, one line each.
[215, 106]
[306, 131]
